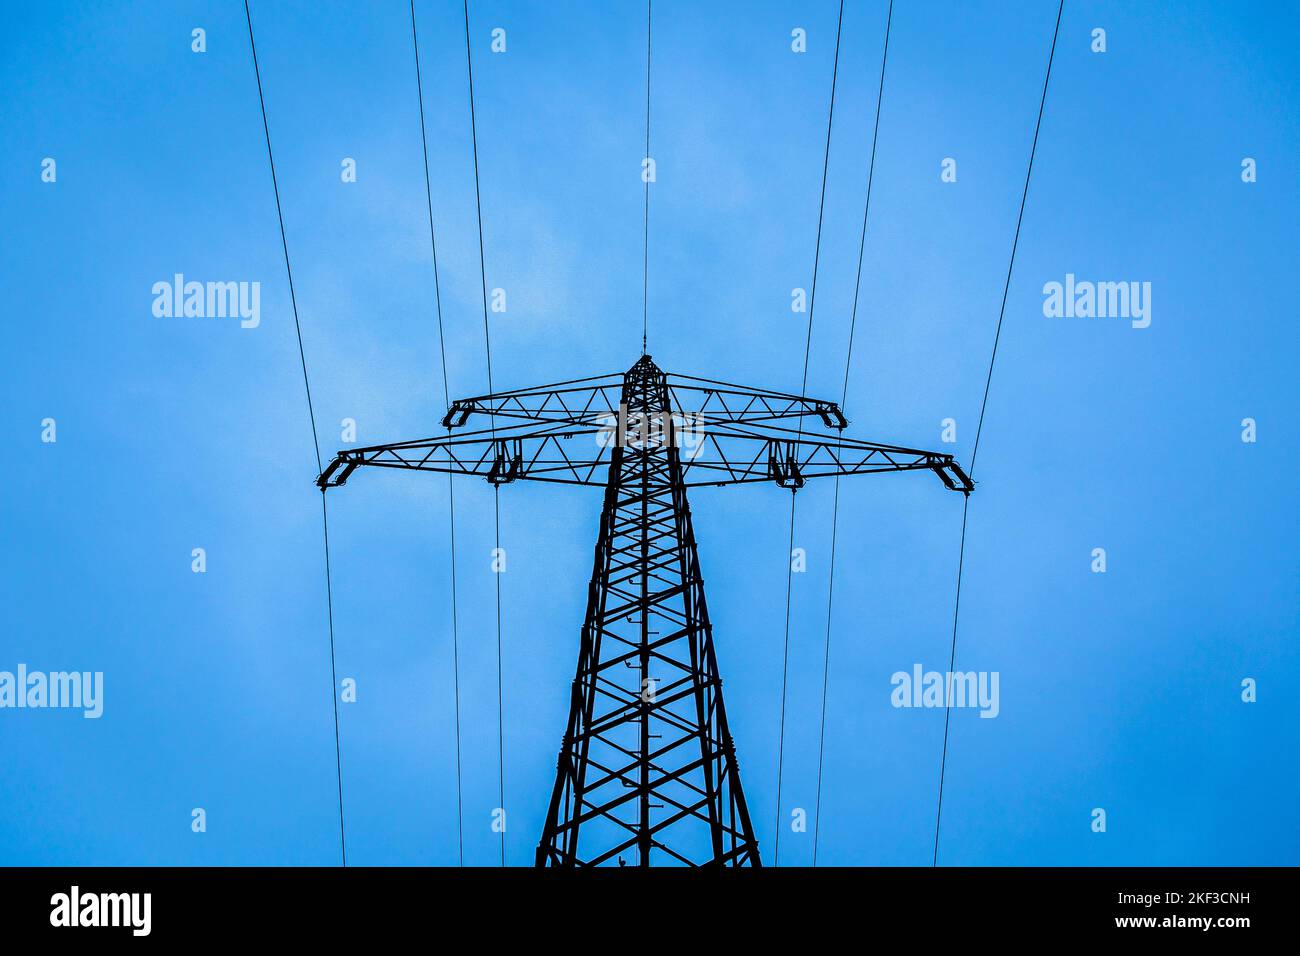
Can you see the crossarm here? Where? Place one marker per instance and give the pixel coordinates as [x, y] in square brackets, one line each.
[560, 454]
[595, 401]
[711, 455]
[741, 456]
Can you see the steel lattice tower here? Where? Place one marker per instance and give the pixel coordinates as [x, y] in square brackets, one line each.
[647, 765]
[647, 728]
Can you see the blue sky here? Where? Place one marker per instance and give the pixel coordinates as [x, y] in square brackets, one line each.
[1119, 690]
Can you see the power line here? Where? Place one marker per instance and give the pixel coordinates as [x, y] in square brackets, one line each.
[334, 679]
[501, 718]
[785, 667]
[1006, 288]
[812, 302]
[645, 246]
[428, 194]
[866, 209]
[302, 355]
[821, 206]
[848, 363]
[496, 490]
[478, 197]
[451, 488]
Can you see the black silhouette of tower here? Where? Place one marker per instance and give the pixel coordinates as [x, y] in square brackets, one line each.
[647, 766]
[647, 755]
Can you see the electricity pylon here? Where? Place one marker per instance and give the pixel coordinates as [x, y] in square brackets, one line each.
[647, 764]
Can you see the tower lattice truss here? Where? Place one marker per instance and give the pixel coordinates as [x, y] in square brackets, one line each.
[647, 770]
